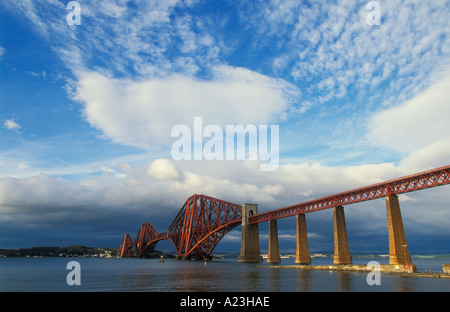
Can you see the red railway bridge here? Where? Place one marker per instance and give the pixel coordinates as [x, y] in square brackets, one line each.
[195, 231]
[203, 221]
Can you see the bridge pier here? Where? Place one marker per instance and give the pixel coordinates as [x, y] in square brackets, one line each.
[250, 251]
[302, 255]
[341, 247]
[274, 251]
[398, 248]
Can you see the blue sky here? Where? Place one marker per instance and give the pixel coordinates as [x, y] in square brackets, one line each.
[86, 113]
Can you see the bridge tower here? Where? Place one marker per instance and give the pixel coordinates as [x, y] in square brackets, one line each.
[250, 251]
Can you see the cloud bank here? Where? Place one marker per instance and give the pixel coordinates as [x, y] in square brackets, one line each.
[124, 197]
[143, 113]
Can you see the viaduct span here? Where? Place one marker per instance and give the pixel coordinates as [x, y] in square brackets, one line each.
[203, 221]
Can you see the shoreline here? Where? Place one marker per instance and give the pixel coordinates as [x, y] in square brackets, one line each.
[384, 269]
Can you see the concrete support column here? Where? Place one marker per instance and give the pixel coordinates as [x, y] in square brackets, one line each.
[302, 255]
[274, 251]
[398, 249]
[250, 251]
[341, 248]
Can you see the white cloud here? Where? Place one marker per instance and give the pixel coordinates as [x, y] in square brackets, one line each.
[42, 74]
[11, 125]
[142, 114]
[234, 181]
[331, 51]
[415, 124]
[163, 169]
[328, 49]
[431, 156]
[129, 37]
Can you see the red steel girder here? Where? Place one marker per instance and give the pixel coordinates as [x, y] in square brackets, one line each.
[419, 181]
[126, 247]
[201, 224]
[145, 240]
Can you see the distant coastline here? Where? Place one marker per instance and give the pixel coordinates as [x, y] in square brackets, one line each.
[70, 251]
[104, 252]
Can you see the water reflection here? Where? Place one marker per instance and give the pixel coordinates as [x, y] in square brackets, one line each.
[304, 280]
[344, 280]
[173, 275]
[274, 280]
[405, 283]
[240, 277]
[197, 277]
[251, 278]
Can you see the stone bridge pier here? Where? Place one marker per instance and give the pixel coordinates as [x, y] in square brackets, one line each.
[398, 248]
[250, 250]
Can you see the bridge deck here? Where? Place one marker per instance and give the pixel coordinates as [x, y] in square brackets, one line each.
[410, 183]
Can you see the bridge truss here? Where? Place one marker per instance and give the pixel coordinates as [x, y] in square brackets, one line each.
[203, 221]
[414, 182]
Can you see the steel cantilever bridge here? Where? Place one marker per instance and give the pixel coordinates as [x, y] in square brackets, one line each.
[203, 220]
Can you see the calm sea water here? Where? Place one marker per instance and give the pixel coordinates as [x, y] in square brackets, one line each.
[143, 275]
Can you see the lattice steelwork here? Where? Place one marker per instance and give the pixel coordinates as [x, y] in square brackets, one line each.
[201, 224]
[415, 182]
[146, 239]
[195, 231]
[126, 248]
[203, 220]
